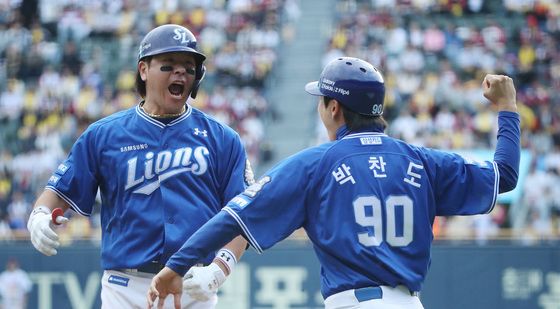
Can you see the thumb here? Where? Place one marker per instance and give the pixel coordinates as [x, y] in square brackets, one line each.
[486, 84]
[60, 220]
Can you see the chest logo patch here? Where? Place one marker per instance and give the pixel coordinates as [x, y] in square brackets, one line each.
[158, 167]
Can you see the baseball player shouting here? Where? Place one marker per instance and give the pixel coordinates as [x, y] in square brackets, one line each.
[163, 169]
[367, 201]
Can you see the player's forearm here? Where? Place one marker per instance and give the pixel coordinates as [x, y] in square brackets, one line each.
[51, 200]
[507, 153]
[213, 235]
[238, 246]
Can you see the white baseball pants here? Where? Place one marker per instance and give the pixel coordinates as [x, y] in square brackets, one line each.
[126, 290]
[383, 297]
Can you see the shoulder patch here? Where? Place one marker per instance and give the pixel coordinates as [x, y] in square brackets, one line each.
[62, 168]
[53, 180]
[240, 201]
[256, 187]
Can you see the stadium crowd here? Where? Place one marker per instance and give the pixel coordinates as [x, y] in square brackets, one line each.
[434, 54]
[65, 64]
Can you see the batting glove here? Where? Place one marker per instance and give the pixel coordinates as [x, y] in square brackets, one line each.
[41, 228]
[201, 283]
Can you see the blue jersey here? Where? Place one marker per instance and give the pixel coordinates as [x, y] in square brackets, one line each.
[158, 182]
[367, 202]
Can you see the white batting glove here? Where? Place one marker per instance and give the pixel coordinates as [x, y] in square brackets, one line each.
[41, 228]
[203, 282]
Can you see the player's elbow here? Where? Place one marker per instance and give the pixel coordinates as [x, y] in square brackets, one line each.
[506, 186]
[508, 180]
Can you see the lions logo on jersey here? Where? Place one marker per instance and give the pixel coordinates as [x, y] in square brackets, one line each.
[164, 165]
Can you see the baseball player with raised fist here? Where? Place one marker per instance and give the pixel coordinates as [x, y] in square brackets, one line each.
[163, 168]
[366, 200]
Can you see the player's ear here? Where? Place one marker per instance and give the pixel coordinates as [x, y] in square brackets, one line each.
[335, 109]
[143, 70]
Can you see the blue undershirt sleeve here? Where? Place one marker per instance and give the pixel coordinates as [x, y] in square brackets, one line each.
[508, 149]
[212, 236]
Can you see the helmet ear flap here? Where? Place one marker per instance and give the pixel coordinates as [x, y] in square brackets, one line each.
[200, 72]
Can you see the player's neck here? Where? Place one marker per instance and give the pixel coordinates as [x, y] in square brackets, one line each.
[153, 111]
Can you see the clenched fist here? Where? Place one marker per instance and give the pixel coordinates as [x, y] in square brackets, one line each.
[499, 90]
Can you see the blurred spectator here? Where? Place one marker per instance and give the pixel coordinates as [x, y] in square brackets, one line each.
[434, 39]
[15, 286]
[11, 100]
[18, 211]
[5, 229]
[70, 58]
[72, 25]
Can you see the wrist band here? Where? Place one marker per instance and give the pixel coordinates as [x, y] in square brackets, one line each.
[37, 210]
[228, 259]
[40, 209]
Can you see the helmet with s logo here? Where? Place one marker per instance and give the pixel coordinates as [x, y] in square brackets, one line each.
[173, 38]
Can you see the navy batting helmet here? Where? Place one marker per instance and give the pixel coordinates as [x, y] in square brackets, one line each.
[173, 38]
[353, 82]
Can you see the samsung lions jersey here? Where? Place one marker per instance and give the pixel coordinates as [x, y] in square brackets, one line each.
[367, 201]
[158, 182]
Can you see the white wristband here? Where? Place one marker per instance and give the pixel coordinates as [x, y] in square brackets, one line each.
[228, 259]
[37, 210]
[41, 209]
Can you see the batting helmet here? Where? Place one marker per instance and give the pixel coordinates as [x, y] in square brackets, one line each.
[353, 82]
[173, 38]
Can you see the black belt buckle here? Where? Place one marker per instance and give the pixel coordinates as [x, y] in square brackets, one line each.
[151, 268]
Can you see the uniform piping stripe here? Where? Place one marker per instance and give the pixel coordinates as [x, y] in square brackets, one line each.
[244, 228]
[185, 115]
[67, 200]
[496, 186]
[356, 135]
[161, 124]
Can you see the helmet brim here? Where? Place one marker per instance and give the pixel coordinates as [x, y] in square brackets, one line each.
[313, 88]
[197, 55]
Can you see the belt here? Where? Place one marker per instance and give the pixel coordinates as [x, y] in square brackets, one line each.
[352, 297]
[375, 292]
[150, 268]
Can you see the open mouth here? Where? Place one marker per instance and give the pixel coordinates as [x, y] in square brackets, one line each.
[176, 89]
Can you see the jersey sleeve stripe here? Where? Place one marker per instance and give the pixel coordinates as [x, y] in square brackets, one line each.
[67, 200]
[250, 237]
[496, 186]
